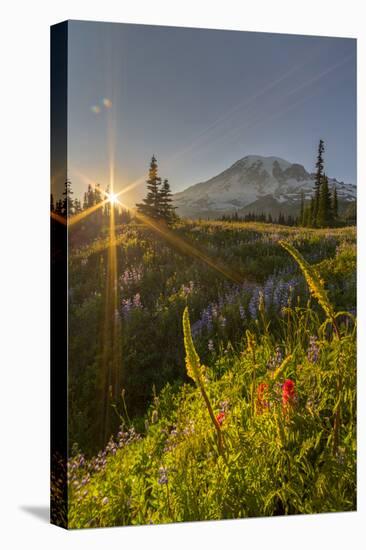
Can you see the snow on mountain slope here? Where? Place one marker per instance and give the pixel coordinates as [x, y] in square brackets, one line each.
[254, 180]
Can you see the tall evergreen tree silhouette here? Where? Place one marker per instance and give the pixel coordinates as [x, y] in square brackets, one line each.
[98, 214]
[107, 206]
[335, 204]
[302, 208]
[167, 210]
[58, 208]
[150, 206]
[85, 201]
[90, 199]
[77, 206]
[67, 203]
[309, 219]
[324, 217]
[318, 180]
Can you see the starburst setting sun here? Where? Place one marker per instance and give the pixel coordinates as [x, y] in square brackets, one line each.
[112, 198]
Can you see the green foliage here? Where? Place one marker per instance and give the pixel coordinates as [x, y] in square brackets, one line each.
[313, 279]
[158, 278]
[193, 366]
[196, 372]
[280, 455]
[340, 273]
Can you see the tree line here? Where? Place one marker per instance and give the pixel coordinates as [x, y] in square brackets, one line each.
[322, 210]
[156, 205]
[67, 206]
[281, 219]
[158, 201]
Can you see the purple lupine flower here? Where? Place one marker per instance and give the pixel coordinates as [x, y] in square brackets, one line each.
[253, 304]
[268, 292]
[85, 479]
[206, 318]
[224, 406]
[163, 476]
[278, 355]
[131, 276]
[242, 312]
[126, 306]
[196, 328]
[276, 360]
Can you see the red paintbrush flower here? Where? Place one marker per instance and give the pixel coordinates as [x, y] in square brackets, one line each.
[288, 393]
[220, 417]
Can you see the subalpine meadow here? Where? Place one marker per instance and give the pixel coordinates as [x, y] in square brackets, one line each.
[248, 408]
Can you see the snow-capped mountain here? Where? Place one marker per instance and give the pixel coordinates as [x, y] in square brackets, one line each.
[255, 184]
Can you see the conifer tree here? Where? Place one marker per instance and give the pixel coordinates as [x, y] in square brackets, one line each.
[324, 217]
[351, 213]
[125, 216]
[90, 197]
[97, 194]
[302, 209]
[167, 210]
[77, 206]
[52, 206]
[318, 180]
[335, 204]
[150, 205]
[107, 206]
[98, 214]
[58, 208]
[312, 210]
[307, 218]
[67, 203]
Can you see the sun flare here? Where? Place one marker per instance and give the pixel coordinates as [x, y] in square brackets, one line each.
[112, 198]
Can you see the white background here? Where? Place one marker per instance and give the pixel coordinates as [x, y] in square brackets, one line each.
[24, 272]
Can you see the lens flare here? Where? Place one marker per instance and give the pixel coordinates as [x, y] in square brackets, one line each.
[112, 198]
[107, 103]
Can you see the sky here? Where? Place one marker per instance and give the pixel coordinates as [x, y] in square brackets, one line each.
[201, 99]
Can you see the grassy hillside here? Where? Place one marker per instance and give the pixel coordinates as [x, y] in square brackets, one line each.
[266, 426]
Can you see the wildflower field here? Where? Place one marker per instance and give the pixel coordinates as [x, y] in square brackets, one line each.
[212, 373]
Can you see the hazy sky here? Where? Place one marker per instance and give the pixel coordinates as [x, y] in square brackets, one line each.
[202, 99]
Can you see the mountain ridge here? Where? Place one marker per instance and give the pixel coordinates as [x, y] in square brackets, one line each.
[255, 183]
